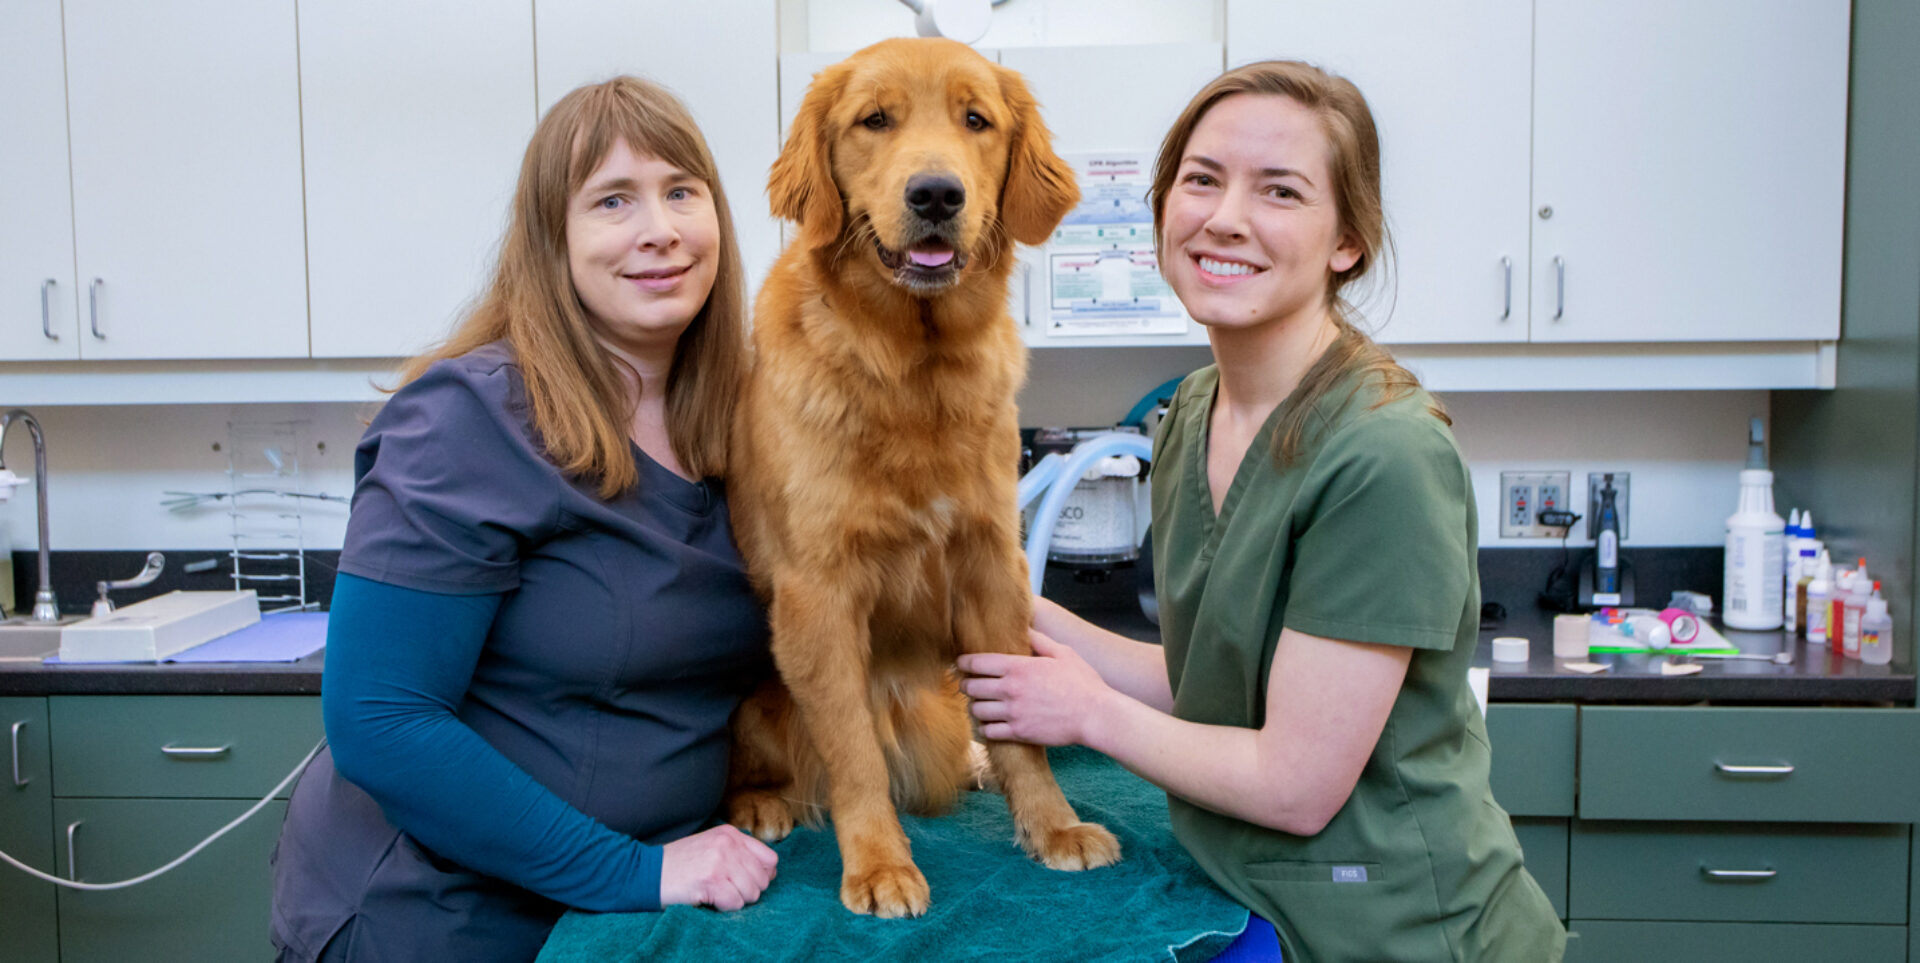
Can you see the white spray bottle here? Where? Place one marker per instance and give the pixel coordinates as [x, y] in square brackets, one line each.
[1755, 575]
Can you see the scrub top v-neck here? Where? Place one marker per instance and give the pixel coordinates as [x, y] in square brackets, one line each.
[1369, 535]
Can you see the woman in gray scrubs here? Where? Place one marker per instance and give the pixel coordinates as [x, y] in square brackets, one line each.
[541, 626]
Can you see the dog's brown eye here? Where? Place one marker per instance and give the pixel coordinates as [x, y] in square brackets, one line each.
[976, 122]
[875, 121]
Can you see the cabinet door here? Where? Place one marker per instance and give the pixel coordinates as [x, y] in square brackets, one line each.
[414, 118]
[38, 321]
[1693, 157]
[1448, 85]
[213, 907]
[26, 832]
[185, 124]
[721, 57]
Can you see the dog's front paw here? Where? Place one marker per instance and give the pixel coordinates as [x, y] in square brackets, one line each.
[1076, 846]
[760, 813]
[889, 891]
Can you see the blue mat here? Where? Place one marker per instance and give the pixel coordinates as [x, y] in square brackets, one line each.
[989, 900]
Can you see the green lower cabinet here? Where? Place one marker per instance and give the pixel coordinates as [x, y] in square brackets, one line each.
[1755, 872]
[215, 907]
[1544, 844]
[28, 933]
[1620, 941]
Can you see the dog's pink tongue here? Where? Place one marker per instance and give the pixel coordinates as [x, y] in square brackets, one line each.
[930, 258]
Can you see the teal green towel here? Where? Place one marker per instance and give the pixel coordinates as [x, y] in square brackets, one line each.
[990, 902]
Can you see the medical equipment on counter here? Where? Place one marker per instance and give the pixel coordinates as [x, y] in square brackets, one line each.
[1053, 479]
[1098, 529]
[1606, 578]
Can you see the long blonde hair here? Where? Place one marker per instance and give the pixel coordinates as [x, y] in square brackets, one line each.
[1353, 147]
[582, 409]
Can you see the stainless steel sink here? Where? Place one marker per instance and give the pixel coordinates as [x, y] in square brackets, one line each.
[23, 639]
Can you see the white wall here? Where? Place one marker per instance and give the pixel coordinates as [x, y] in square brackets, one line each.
[111, 464]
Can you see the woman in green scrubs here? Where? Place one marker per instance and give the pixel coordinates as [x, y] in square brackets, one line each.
[1315, 539]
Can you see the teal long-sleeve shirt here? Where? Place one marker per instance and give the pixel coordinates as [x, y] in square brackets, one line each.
[399, 661]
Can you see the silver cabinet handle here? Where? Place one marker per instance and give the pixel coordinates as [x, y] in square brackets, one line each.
[1739, 873]
[17, 781]
[93, 307]
[73, 865]
[1506, 265]
[46, 312]
[1780, 770]
[196, 752]
[1560, 287]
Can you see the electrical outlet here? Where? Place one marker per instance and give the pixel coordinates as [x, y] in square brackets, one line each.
[1620, 486]
[1524, 495]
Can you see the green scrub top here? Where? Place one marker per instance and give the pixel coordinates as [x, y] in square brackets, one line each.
[1368, 536]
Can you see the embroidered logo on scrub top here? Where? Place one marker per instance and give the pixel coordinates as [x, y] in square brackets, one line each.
[1349, 874]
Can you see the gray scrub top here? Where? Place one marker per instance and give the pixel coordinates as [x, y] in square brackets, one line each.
[627, 636]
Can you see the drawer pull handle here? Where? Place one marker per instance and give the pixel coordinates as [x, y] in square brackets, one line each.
[1781, 770]
[17, 781]
[1739, 873]
[73, 865]
[196, 752]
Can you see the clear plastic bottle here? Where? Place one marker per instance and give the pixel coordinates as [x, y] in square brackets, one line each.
[1756, 562]
[1876, 631]
[1817, 607]
[1855, 608]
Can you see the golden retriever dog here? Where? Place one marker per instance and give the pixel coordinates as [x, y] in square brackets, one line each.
[874, 461]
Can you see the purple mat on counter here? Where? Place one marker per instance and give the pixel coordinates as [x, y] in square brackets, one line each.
[283, 637]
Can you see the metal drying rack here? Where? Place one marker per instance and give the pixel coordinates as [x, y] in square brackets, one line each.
[263, 500]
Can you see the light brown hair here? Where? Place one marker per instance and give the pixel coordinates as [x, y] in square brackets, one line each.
[582, 409]
[1353, 159]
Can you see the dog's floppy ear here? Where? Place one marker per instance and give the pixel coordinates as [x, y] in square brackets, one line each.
[1040, 187]
[800, 186]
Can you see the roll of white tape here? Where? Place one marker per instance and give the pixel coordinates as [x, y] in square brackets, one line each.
[1570, 636]
[1509, 649]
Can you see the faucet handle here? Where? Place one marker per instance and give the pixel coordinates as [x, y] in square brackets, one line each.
[156, 562]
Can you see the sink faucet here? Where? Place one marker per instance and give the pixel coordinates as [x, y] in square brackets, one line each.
[45, 609]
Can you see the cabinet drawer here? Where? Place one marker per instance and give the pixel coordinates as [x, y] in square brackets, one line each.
[234, 747]
[1543, 842]
[1532, 758]
[1771, 764]
[1611, 941]
[1819, 873]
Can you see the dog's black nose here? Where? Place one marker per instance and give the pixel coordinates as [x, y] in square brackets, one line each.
[935, 197]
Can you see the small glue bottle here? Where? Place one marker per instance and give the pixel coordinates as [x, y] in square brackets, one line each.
[1876, 631]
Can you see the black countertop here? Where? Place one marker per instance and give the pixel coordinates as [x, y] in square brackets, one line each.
[1813, 677]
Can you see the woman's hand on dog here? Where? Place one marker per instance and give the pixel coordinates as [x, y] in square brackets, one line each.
[722, 867]
[1049, 698]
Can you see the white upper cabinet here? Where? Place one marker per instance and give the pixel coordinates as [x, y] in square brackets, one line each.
[185, 126]
[38, 314]
[1448, 87]
[721, 57]
[1694, 158]
[415, 116]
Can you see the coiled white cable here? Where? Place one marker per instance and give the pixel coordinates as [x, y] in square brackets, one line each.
[189, 854]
